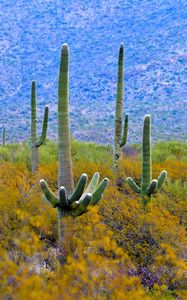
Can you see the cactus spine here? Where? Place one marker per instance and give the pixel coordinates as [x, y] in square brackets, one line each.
[69, 202]
[120, 138]
[35, 141]
[148, 186]
[4, 136]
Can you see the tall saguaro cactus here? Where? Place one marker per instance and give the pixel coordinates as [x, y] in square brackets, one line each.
[69, 201]
[120, 138]
[65, 175]
[148, 186]
[35, 141]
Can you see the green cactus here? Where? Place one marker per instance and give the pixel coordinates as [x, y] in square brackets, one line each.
[69, 202]
[148, 186]
[35, 141]
[65, 174]
[4, 136]
[120, 138]
[76, 203]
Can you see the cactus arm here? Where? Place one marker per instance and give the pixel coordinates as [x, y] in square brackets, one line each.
[75, 204]
[146, 157]
[97, 194]
[63, 198]
[161, 179]
[79, 188]
[65, 174]
[133, 185]
[152, 187]
[93, 183]
[44, 128]
[83, 204]
[125, 132]
[49, 195]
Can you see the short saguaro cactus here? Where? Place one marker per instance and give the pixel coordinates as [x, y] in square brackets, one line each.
[148, 186]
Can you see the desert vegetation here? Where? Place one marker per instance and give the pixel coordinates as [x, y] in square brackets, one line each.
[128, 246]
[116, 250]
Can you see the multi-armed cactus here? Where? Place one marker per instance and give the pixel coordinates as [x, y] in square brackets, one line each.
[148, 186]
[69, 203]
[35, 141]
[120, 138]
[4, 136]
[77, 203]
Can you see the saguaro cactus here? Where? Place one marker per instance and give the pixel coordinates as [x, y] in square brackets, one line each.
[148, 186]
[69, 203]
[4, 136]
[65, 175]
[76, 203]
[120, 138]
[35, 141]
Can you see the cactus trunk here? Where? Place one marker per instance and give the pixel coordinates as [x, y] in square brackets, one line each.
[146, 156]
[64, 235]
[35, 143]
[34, 155]
[120, 138]
[61, 226]
[65, 175]
[34, 159]
[119, 110]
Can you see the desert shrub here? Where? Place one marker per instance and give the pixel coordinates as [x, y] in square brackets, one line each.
[169, 151]
[119, 251]
[141, 233]
[95, 267]
[18, 153]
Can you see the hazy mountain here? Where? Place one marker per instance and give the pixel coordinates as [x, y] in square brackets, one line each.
[154, 35]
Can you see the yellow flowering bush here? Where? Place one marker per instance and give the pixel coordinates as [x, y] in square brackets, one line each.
[115, 251]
